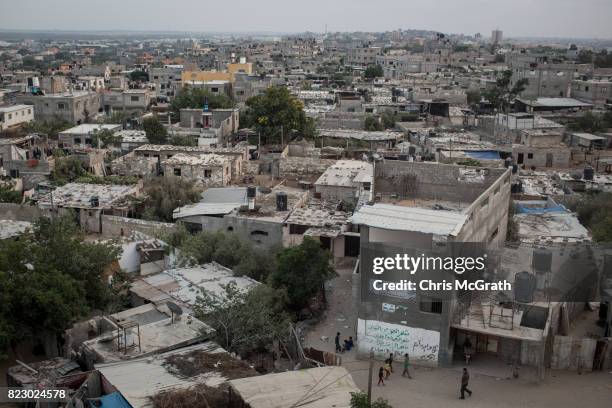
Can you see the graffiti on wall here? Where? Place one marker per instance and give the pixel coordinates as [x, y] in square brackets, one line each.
[385, 338]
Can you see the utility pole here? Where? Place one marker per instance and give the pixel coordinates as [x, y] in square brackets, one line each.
[370, 369]
[282, 138]
[259, 144]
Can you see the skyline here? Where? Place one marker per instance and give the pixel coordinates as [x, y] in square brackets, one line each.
[586, 19]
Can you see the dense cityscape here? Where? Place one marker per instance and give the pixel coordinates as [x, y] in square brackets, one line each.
[333, 218]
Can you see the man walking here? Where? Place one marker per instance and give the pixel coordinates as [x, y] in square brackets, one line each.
[338, 347]
[465, 379]
[406, 372]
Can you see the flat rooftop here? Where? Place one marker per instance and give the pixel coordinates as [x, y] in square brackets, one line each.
[400, 218]
[79, 195]
[12, 228]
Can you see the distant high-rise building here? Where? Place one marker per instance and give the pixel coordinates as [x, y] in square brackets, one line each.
[497, 36]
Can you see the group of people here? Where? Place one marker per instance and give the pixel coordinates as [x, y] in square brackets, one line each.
[385, 371]
[348, 344]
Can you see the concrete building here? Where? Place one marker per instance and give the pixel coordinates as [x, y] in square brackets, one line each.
[598, 93]
[363, 56]
[344, 181]
[130, 99]
[225, 120]
[260, 219]
[541, 148]
[166, 80]
[28, 158]
[419, 206]
[497, 36]
[15, 116]
[82, 135]
[91, 201]
[208, 169]
[74, 107]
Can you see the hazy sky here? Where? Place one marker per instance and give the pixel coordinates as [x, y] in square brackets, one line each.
[545, 18]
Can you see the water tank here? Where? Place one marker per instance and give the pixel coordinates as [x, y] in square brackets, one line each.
[281, 201]
[524, 287]
[542, 260]
[588, 173]
[251, 192]
[94, 201]
[514, 168]
[412, 150]
[516, 188]
[508, 162]
[403, 157]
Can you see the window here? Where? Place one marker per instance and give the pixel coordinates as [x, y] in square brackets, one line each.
[10, 116]
[207, 173]
[61, 106]
[77, 140]
[214, 90]
[134, 98]
[29, 111]
[530, 155]
[485, 202]
[177, 171]
[259, 232]
[296, 229]
[430, 305]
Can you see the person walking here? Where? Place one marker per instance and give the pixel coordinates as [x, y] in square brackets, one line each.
[387, 368]
[391, 361]
[406, 372]
[338, 347]
[465, 380]
[381, 374]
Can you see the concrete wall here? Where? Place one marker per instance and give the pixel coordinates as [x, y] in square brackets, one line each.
[573, 354]
[557, 157]
[112, 226]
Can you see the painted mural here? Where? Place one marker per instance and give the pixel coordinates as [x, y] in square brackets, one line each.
[385, 338]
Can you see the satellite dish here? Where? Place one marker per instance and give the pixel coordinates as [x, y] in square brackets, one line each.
[174, 308]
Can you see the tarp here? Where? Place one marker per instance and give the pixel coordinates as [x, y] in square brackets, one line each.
[114, 400]
[527, 210]
[482, 154]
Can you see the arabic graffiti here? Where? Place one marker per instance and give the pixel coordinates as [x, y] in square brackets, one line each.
[384, 338]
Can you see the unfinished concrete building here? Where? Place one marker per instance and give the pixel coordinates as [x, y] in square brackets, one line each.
[418, 205]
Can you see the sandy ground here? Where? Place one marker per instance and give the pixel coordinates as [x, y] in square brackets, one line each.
[439, 387]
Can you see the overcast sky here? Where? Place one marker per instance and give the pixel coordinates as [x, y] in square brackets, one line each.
[542, 18]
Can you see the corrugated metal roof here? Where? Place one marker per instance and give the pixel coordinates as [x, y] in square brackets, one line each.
[320, 387]
[140, 379]
[399, 218]
[204, 209]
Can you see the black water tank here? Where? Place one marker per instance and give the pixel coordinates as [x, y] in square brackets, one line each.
[412, 150]
[514, 168]
[516, 188]
[94, 201]
[524, 287]
[403, 157]
[542, 260]
[251, 192]
[508, 162]
[281, 201]
[588, 173]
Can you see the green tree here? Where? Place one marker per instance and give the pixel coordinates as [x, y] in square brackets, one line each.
[372, 123]
[590, 122]
[67, 169]
[155, 130]
[139, 76]
[49, 127]
[302, 270]
[229, 250]
[360, 400]
[276, 111]
[503, 94]
[374, 71]
[104, 138]
[51, 277]
[245, 321]
[195, 98]
[9, 195]
[164, 194]
[473, 97]
[595, 212]
[388, 119]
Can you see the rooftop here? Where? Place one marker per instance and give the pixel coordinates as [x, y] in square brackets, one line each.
[346, 173]
[80, 195]
[183, 285]
[360, 134]
[6, 109]
[11, 228]
[320, 387]
[88, 128]
[554, 102]
[140, 379]
[399, 218]
[205, 159]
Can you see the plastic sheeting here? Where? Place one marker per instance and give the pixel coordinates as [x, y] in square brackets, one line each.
[482, 154]
[527, 210]
[114, 400]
